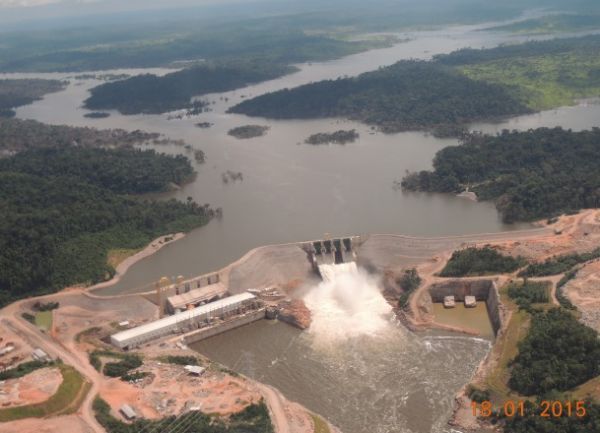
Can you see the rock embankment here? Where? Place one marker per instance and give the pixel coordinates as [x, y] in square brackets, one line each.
[295, 313]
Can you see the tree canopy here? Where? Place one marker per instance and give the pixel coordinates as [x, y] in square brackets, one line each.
[530, 175]
[61, 214]
[558, 354]
[405, 96]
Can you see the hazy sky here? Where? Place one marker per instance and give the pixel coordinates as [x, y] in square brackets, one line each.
[14, 12]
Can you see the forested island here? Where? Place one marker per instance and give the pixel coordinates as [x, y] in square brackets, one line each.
[530, 175]
[337, 137]
[151, 94]
[408, 95]
[97, 115]
[449, 92]
[18, 134]
[65, 208]
[17, 92]
[248, 131]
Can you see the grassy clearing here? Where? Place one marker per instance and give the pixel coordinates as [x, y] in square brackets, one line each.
[67, 399]
[115, 257]
[43, 319]
[320, 425]
[506, 348]
[546, 81]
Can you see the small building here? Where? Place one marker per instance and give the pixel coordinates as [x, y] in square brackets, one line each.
[39, 355]
[449, 302]
[124, 324]
[470, 302]
[195, 370]
[128, 412]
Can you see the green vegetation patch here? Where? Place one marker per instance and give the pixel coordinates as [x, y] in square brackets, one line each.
[409, 95]
[559, 264]
[253, 419]
[530, 175]
[181, 360]
[480, 261]
[122, 367]
[23, 369]
[152, 94]
[544, 82]
[15, 93]
[320, 425]
[532, 422]
[527, 293]
[67, 399]
[66, 208]
[43, 319]
[409, 281]
[558, 354]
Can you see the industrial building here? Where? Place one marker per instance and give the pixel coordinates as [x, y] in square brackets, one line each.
[195, 297]
[183, 322]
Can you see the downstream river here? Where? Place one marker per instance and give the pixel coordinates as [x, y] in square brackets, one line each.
[395, 382]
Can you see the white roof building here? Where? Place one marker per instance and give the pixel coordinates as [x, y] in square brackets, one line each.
[135, 336]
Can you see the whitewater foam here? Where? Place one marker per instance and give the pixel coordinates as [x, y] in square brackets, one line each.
[346, 304]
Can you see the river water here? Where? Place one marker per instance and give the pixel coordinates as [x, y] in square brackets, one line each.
[293, 191]
[392, 382]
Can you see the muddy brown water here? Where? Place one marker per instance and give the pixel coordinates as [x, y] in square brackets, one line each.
[398, 382]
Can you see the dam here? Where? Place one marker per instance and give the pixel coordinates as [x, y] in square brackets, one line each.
[355, 363]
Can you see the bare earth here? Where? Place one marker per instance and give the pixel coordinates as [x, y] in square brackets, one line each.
[169, 390]
[35, 387]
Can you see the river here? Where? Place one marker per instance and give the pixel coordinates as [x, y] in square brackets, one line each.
[395, 382]
[293, 191]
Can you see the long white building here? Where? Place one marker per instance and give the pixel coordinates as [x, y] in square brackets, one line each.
[181, 321]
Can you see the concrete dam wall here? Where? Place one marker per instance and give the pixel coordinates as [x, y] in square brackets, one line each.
[483, 290]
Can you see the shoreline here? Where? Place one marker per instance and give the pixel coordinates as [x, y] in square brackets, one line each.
[122, 268]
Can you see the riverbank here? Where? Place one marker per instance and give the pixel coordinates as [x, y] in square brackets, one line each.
[152, 248]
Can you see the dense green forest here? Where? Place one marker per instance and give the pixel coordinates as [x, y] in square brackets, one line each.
[558, 354]
[450, 91]
[152, 94]
[405, 96]
[123, 171]
[480, 261]
[530, 175]
[17, 135]
[253, 419]
[14, 93]
[527, 293]
[61, 214]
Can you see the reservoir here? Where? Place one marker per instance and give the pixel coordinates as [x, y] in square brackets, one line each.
[386, 380]
[292, 191]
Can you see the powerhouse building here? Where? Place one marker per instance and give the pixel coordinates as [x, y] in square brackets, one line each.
[183, 321]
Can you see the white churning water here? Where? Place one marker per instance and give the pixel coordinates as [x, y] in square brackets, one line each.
[346, 304]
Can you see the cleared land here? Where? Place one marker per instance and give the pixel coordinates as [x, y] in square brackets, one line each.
[546, 81]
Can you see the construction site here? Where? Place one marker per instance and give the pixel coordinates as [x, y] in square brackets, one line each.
[86, 337]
